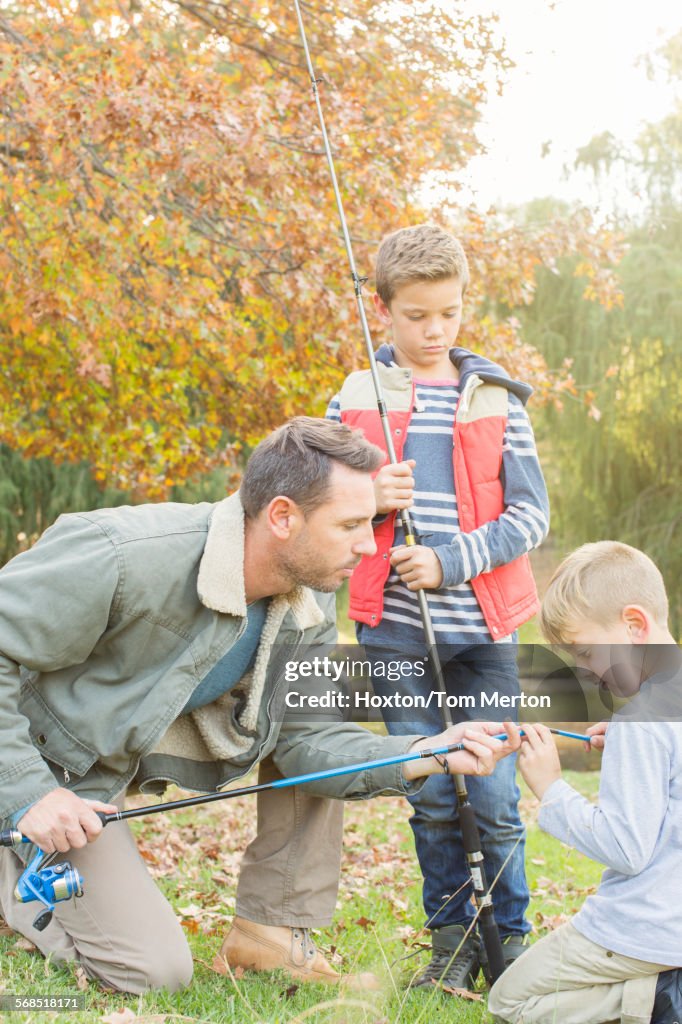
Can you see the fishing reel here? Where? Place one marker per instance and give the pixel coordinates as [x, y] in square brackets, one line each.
[43, 883]
[47, 885]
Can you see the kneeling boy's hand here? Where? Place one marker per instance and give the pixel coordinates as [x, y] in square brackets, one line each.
[419, 568]
[539, 759]
[597, 734]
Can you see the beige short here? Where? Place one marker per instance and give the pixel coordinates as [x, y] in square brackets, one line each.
[566, 979]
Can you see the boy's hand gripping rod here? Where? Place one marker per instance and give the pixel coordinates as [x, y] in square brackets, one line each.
[470, 836]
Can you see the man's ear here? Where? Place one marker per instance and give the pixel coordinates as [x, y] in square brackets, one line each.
[284, 517]
[638, 622]
[383, 312]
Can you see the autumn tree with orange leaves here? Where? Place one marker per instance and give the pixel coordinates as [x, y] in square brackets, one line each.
[172, 271]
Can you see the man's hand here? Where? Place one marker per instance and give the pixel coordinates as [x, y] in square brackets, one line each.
[61, 821]
[539, 759]
[598, 734]
[419, 568]
[481, 753]
[394, 486]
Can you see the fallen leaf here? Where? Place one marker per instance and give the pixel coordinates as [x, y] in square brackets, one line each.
[148, 855]
[543, 882]
[81, 980]
[461, 993]
[550, 922]
[291, 991]
[221, 879]
[122, 1016]
[364, 922]
[221, 966]
[191, 910]
[26, 945]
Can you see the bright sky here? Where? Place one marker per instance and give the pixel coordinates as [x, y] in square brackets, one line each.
[576, 76]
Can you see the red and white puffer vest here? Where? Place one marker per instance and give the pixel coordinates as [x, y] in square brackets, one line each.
[507, 595]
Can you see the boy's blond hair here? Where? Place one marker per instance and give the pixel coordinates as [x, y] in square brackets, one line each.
[422, 253]
[595, 582]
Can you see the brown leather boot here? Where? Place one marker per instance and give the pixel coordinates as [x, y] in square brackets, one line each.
[264, 947]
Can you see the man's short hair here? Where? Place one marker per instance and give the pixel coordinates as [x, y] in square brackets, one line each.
[296, 460]
[595, 582]
[423, 253]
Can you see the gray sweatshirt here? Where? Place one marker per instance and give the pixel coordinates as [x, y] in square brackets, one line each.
[636, 831]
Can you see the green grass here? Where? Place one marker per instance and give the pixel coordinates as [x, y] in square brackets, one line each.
[195, 859]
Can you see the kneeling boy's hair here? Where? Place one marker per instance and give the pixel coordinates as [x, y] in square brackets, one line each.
[595, 582]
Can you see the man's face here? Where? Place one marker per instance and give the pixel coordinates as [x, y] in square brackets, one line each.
[424, 317]
[607, 656]
[333, 537]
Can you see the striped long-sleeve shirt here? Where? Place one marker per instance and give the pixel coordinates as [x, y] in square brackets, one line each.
[456, 614]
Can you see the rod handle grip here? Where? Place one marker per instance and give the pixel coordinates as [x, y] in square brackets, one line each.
[12, 837]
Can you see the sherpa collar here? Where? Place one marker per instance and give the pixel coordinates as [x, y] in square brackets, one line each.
[221, 572]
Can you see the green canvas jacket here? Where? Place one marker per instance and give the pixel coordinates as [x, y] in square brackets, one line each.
[109, 622]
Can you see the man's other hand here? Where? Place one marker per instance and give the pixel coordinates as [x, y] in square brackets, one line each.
[481, 750]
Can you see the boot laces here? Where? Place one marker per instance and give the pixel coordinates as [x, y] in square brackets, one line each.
[449, 968]
[307, 944]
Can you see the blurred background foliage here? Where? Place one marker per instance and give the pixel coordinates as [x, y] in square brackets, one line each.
[613, 449]
[163, 309]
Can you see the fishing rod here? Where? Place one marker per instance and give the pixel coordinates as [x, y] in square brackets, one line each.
[12, 837]
[49, 885]
[471, 841]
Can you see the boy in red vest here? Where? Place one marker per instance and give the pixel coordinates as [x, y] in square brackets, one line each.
[468, 470]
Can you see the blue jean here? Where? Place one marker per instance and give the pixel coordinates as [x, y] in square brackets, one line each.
[447, 886]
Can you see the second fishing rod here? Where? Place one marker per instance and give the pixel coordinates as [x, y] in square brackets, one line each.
[471, 841]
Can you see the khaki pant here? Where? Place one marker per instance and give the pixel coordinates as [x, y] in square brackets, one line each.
[124, 932]
[566, 979]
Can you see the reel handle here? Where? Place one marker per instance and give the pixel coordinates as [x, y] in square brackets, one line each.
[42, 919]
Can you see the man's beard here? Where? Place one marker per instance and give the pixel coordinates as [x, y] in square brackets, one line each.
[303, 575]
[303, 569]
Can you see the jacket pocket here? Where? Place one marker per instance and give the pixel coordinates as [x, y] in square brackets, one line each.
[50, 737]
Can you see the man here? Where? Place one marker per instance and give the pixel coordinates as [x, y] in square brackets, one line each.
[148, 643]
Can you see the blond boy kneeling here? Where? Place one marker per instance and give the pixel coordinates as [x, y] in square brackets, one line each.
[608, 601]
